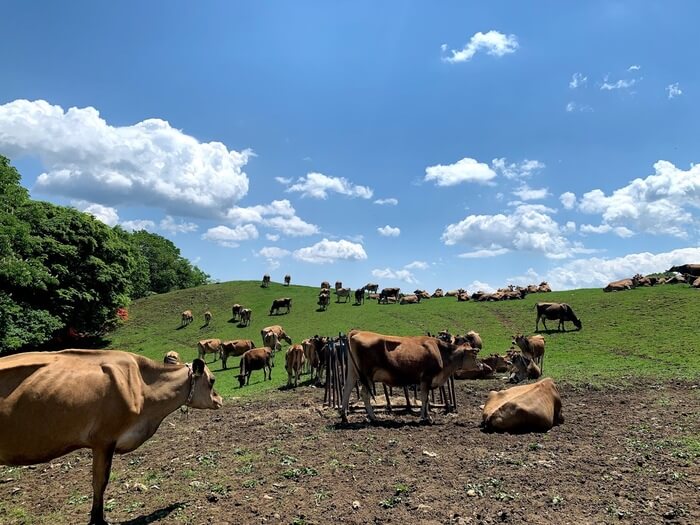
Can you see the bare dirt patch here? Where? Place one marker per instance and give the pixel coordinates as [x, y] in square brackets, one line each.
[628, 456]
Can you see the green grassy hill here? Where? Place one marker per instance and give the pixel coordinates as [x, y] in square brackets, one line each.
[646, 332]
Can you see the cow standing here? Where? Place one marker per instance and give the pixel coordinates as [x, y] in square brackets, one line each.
[556, 311]
[265, 281]
[270, 340]
[342, 292]
[294, 361]
[277, 304]
[186, 318]
[104, 400]
[236, 312]
[388, 293]
[235, 348]
[287, 279]
[255, 359]
[209, 346]
[278, 330]
[360, 296]
[246, 316]
[207, 318]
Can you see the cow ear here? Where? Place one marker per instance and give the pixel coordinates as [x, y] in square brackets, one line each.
[198, 367]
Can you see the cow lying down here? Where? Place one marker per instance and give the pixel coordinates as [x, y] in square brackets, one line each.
[527, 408]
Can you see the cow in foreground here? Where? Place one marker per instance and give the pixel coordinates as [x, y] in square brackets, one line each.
[104, 400]
[525, 408]
[209, 346]
[255, 359]
[401, 361]
[234, 349]
[555, 311]
[294, 361]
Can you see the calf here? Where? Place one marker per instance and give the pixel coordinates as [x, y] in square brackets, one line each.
[294, 361]
[255, 359]
[234, 349]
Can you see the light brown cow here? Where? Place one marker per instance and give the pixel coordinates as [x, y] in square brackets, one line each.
[171, 358]
[532, 347]
[271, 341]
[544, 287]
[410, 299]
[234, 349]
[617, 286]
[525, 408]
[401, 361]
[314, 355]
[523, 367]
[207, 317]
[696, 283]
[255, 359]
[281, 334]
[52, 403]
[474, 339]
[246, 316]
[497, 362]
[209, 346]
[186, 318]
[294, 360]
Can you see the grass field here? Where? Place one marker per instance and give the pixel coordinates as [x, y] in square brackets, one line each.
[646, 332]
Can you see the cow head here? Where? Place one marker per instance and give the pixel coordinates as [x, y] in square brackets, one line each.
[202, 385]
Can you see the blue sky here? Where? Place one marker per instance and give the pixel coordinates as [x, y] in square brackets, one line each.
[468, 144]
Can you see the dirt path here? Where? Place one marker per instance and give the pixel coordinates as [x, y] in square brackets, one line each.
[628, 456]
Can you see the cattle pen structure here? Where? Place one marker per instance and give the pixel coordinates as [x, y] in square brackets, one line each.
[336, 365]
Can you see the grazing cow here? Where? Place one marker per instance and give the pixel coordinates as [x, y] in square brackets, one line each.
[265, 281]
[692, 269]
[209, 346]
[52, 403]
[284, 302]
[246, 316]
[618, 286]
[278, 330]
[324, 299]
[410, 299]
[294, 361]
[172, 358]
[271, 341]
[325, 284]
[371, 287]
[401, 361]
[525, 408]
[207, 317]
[342, 292]
[386, 293]
[438, 293]
[544, 287]
[236, 311]
[186, 318]
[360, 296]
[255, 359]
[555, 311]
[523, 367]
[235, 348]
[287, 279]
[532, 347]
[497, 363]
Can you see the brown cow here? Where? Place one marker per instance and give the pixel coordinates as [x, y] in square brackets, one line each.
[342, 292]
[287, 279]
[207, 317]
[360, 296]
[171, 358]
[209, 346]
[401, 361]
[692, 269]
[294, 360]
[52, 403]
[696, 283]
[315, 355]
[532, 347]
[523, 368]
[544, 287]
[236, 311]
[234, 349]
[559, 311]
[283, 302]
[618, 286]
[271, 341]
[246, 316]
[484, 372]
[474, 339]
[438, 293]
[255, 359]
[186, 318]
[497, 363]
[639, 280]
[462, 297]
[279, 331]
[525, 408]
[410, 299]
[387, 293]
[325, 284]
[265, 281]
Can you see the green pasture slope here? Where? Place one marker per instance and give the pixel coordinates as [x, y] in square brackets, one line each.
[646, 332]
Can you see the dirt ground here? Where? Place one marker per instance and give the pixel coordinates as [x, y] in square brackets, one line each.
[630, 455]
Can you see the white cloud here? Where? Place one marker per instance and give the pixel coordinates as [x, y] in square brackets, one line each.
[673, 90]
[274, 252]
[465, 170]
[230, 237]
[398, 275]
[389, 231]
[620, 231]
[620, 84]
[577, 80]
[292, 226]
[570, 227]
[272, 237]
[634, 67]
[283, 180]
[388, 202]
[169, 225]
[527, 193]
[417, 265]
[573, 106]
[138, 224]
[476, 286]
[528, 228]
[102, 213]
[597, 272]
[278, 215]
[326, 251]
[480, 254]
[148, 163]
[568, 200]
[658, 204]
[493, 43]
[318, 185]
[517, 170]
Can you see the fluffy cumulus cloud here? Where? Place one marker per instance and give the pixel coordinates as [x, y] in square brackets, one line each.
[568, 200]
[387, 202]
[138, 224]
[273, 252]
[231, 237]
[170, 225]
[674, 90]
[526, 193]
[476, 286]
[105, 214]
[492, 43]
[318, 186]
[578, 80]
[279, 215]
[272, 237]
[149, 163]
[483, 253]
[417, 265]
[529, 227]
[403, 275]
[465, 170]
[389, 231]
[326, 251]
[620, 231]
[517, 170]
[658, 204]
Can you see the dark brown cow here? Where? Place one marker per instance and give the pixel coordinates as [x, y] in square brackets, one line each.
[555, 311]
[639, 280]
[287, 279]
[525, 408]
[236, 311]
[207, 317]
[325, 284]
[277, 304]
[401, 361]
[360, 296]
[255, 359]
[234, 349]
[386, 293]
[692, 269]
[52, 403]
[294, 361]
[338, 285]
[371, 287]
[265, 281]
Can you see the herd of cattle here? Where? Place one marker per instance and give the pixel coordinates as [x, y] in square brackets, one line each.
[683, 274]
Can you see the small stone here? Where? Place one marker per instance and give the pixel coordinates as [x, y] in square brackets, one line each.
[276, 515]
[196, 484]
[429, 454]
[356, 505]
[471, 493]
[267, 496]
[140, 487]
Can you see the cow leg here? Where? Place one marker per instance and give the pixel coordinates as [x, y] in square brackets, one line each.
[544, 323]
[350, 382]
[364, 391]
[101, 467]
[387, 396]
[408, 399]
[424, 395]
[537, 324]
